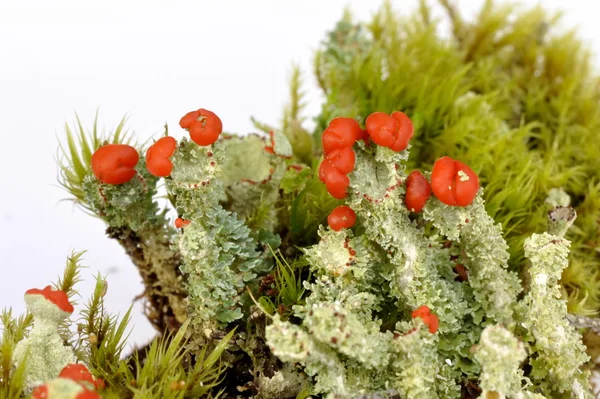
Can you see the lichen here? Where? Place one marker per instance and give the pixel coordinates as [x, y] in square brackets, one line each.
[560, 352]
[218, 252]
[500, 354]
[342, 289]
[43, 350]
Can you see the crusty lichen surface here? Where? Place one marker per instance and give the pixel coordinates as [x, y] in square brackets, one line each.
[43, 352]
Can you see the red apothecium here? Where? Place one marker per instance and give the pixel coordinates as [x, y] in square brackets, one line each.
[342, 217]
[453, 182]
[115, 163]
[418, 191]
[430, 319]
[157, 156]
[204, 126]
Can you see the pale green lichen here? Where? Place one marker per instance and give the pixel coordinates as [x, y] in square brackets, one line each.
[291, 343]
[506, 94]
[560, 352]
[251, 177]
[345, 333]
[394, 264]
[560, 219]
[473, 231]
[376, 197]
[418, 371]
[44, 350]
[500, 354]
[506, 90]
[218, 250]
[285, 383]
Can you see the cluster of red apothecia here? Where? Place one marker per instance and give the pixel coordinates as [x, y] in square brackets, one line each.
[115, 163]
[452, 182]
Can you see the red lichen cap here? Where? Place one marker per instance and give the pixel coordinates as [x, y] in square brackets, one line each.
[418, 191]
[157, 156]
[381, 128]
[342, 217]
[421, 311]
[343, 159]
[57, 297]
[336, 182]
[393, 131]
[404, 131]
[79, 373]
[115, 163]
[453, 182]
[430, 319]
[188, 118]
[203, 125]
[181, 223]
[341, 133]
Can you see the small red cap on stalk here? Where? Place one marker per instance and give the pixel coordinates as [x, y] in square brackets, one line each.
[342, 217]
[453, 182]
[157, 156]
[393, 131]
[115, 163]
[181, 223]
[418, 191]
[342, 159]
[40, 392]
[341, 133]
[79, 373]
[203, 125]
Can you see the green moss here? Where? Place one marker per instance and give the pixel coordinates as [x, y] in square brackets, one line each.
[14, 329]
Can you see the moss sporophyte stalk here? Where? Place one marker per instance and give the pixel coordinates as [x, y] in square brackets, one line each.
[436, 237]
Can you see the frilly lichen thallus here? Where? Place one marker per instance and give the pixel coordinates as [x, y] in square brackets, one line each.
[218, 252]
[401, 261]
[382, 299]
[43, 350]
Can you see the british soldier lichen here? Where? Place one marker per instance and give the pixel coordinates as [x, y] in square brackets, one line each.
[43, 351]
[405, 262]
[398, 281]
[502, 376]
[337, 272]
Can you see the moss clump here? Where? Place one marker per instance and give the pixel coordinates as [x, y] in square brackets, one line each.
[508, 93]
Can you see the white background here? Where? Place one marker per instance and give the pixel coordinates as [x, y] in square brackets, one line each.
[154, 60]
